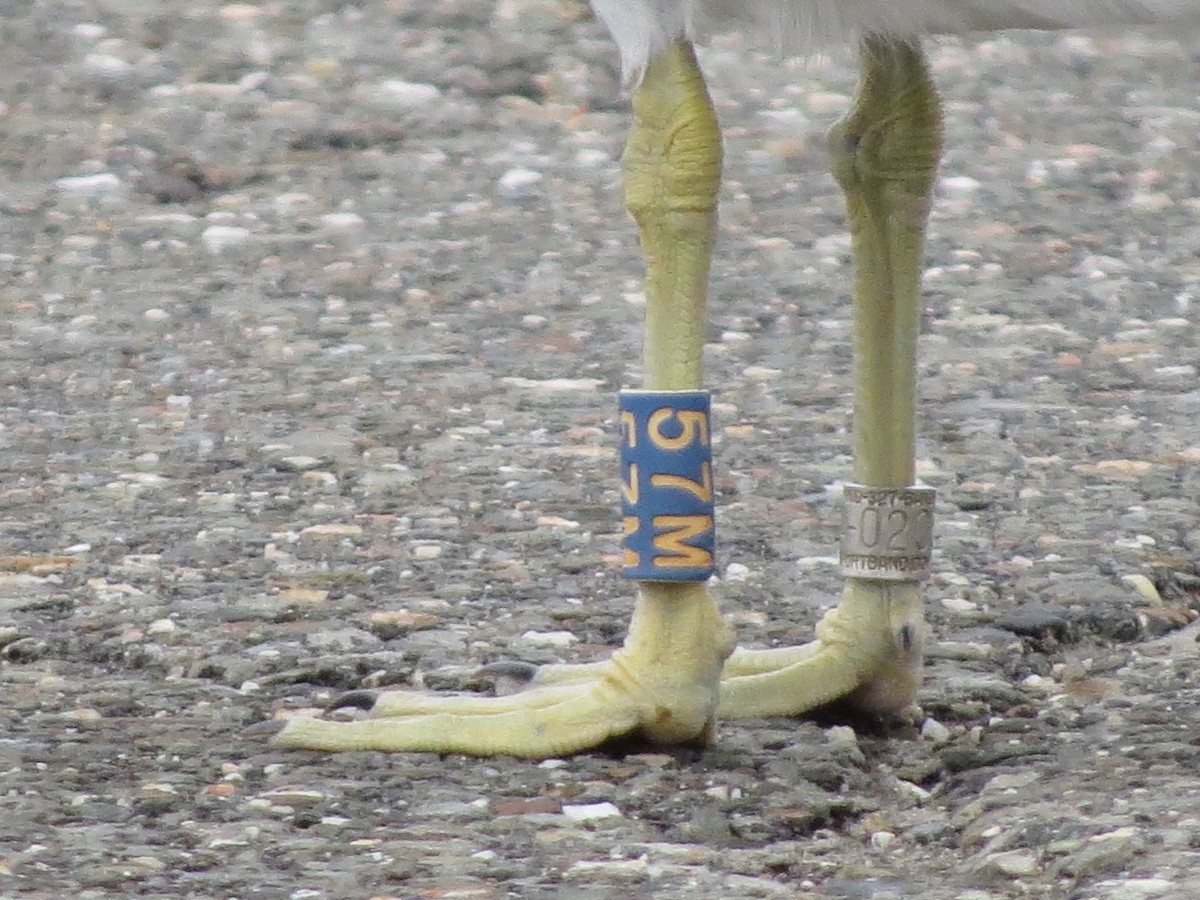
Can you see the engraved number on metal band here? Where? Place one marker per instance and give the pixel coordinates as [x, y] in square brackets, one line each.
[893, 529]
[887, 533]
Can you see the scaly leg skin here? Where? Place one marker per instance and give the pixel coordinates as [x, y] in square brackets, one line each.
[663, 685]
[884, 155]
[868, 651]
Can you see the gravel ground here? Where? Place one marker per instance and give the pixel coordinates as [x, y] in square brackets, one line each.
[313, 317]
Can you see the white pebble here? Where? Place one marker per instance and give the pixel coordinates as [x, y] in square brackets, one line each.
[161, 626]
[91, 187]
[842, 735]
[105, 65]
[1037, 684]
[957, 604]
[915, 791]
[89, 31]
[587, 812]
[934, 731]
[1138, 888]
[592, 159]
[549, 638]
[298, 463]
[1183, 371]
[223, 238]
[293, 202]
[960, 185]
[881, 840]
[1013, 863]
[343, 221]
[517, 183]
[761, 373]
[737, 572]
[1144, 586]
[406, 96]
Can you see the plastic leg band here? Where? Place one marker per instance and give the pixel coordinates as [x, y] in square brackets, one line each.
[887, 533]
[667, 486]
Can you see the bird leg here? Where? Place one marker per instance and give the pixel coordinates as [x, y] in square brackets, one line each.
[868, 651]
[884, 155]
[663, 684]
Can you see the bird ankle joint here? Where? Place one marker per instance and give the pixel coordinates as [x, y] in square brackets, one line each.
[887, 533]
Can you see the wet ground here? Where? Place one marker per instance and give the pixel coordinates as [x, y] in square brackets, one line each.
[313, 318]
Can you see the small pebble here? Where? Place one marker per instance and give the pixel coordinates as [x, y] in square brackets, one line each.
[761, 373]
[1145, 588]
[299, 798]
[1012, 863]
[332, 529]
[736, 572]
[959, 185]
[549, 638]
[89, 31]
[1137, 889]
[403, 96]
[297, 463]
[219, 239]
[934, 731]
[105, 66]
[592, 159]
[842, 736]
[345, 222]
[589, 812]
[882, 840]
[303, 595]
[958, 605]
[91, 187]
[517, 183]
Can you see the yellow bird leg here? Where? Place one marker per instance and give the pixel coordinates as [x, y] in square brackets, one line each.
[868, 651]
[663, 685]
[884, 156]
[672, 174]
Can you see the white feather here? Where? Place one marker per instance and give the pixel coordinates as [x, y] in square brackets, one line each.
[644, 27]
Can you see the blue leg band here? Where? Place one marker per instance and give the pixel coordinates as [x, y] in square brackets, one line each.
[667, 486]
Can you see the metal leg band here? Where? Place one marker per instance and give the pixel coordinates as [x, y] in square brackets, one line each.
[887, 533]
[667, 486]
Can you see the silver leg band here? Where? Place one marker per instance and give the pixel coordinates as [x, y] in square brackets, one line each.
[887, 533]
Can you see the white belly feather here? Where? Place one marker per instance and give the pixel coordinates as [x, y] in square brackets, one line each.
[641, 27]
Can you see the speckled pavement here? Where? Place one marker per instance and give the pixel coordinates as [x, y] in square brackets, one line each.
[313, 317]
